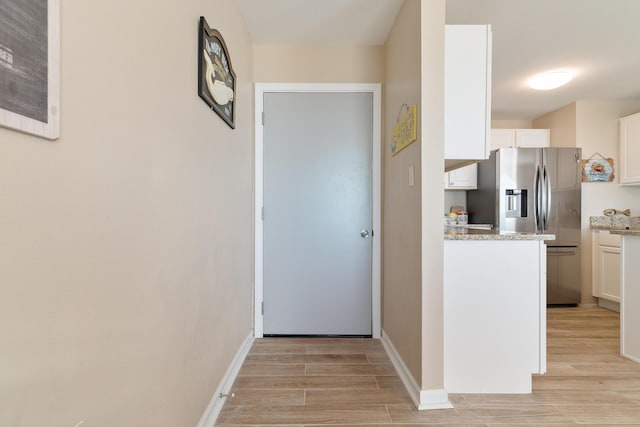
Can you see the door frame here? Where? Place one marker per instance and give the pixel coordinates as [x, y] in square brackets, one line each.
[376, 90]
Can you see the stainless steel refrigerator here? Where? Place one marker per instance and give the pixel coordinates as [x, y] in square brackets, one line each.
[536, 190]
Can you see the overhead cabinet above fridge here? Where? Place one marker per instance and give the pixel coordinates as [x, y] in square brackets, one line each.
[467, 94]
[520, 138]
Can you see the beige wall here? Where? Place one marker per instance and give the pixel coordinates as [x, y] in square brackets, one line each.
[402, 222]
[597, 131]
[125, 268]
[432, 121]
[413, 245]
[562, 125]
[318, 64]
[510, 124]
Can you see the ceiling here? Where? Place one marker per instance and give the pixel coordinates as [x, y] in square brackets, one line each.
[599, 39]
[335, 22]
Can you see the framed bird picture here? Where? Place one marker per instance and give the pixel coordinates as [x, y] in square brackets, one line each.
[216, 78]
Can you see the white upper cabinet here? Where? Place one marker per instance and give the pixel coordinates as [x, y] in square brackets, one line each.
[533, 138]
[467, 92]
[511, 138]
[630, 150]
[503, 138]
[465, 178]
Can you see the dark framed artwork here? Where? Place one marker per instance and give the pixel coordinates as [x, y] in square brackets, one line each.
[30, 66]
[216, 78]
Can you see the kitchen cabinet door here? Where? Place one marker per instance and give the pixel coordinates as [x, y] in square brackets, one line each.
[465, 178]
[629, 145]
[606, 265]
[609, 273]
[467, 92]
[511, 138]
[503, 138]
[494, 315]
[537, 138]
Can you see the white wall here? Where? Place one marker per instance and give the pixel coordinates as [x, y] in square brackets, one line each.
[125, 263]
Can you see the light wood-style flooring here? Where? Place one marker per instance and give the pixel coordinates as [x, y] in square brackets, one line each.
[348, 382]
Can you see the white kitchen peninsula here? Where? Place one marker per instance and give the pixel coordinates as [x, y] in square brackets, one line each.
[630, 293]
[494, 310]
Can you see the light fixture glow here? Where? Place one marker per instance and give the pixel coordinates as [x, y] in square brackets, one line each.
[550, 80]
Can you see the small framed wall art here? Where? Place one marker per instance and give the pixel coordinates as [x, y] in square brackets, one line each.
[598, 168]
[216, 78]
[30, 66]
[404, 132]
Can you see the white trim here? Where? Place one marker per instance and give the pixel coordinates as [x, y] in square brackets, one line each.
[605, 303]
[376, 90]
[210, 415]
[423, 399]
[542, 309]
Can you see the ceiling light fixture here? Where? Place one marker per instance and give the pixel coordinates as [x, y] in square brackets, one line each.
[550, 80]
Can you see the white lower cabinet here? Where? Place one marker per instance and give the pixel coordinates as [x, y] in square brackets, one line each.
[465, 178]
[605, 265]
[494, 315]
[630, 304]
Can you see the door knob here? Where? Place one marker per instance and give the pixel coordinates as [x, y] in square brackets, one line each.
[364, 234]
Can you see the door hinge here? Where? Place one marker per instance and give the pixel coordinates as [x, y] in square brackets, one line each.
[262, 213]
[263, 118]
[262, 308]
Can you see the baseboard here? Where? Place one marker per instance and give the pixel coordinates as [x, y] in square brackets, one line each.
[635, 359]
[609, 305]
[423, 399]
[210, 414]
[588, 305]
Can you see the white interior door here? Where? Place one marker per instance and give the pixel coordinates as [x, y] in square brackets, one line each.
[317, 226]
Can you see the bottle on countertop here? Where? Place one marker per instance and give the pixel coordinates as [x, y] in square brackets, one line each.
[451, 218]
[463, 218]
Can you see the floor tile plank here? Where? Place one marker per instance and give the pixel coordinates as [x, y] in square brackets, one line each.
[347, 382]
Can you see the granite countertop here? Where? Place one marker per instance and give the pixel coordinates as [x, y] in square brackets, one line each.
[614, 222]
[461, 233]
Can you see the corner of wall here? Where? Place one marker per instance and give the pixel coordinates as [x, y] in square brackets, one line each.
[423, 399]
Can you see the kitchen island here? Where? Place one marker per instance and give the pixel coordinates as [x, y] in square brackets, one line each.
[629, 293]
[494, 310]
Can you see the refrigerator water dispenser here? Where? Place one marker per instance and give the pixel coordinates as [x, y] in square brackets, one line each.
[516, 203]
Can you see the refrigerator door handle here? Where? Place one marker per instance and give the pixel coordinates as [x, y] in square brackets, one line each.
[537, 199]
[547, 199]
